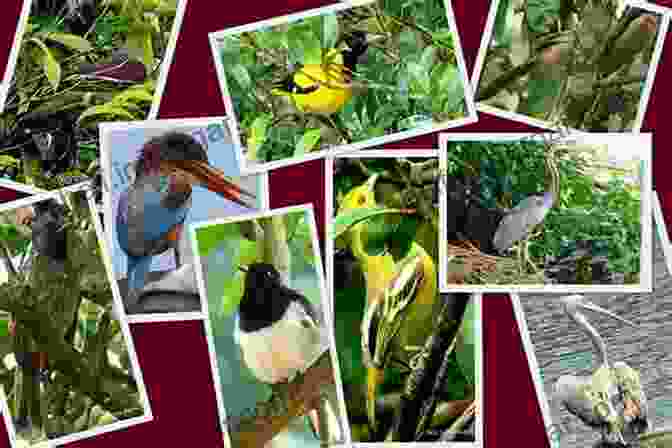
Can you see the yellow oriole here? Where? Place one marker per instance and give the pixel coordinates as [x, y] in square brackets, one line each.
[325, 88]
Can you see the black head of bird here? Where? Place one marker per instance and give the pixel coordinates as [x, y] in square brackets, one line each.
[260, 281]
[357, 46]
[185, 160]
[48, 137]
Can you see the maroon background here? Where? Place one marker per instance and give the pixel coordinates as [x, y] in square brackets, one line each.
[174, 356]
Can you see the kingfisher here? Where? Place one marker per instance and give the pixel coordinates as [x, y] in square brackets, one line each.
[151, 212]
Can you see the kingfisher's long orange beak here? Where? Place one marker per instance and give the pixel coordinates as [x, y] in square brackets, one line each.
[215, 180]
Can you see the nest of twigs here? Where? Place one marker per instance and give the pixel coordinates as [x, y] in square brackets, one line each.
[468, 265]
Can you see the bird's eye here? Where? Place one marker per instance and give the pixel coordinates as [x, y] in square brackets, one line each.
[361, 200]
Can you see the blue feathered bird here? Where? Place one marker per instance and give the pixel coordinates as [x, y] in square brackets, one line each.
[152, 211]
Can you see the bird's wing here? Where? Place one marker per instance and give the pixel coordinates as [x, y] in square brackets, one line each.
[519, 222]
[143, 222]
[309, 312]
[304, 313]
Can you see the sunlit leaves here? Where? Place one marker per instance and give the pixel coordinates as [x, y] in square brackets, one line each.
[408, 78]
[50, 66]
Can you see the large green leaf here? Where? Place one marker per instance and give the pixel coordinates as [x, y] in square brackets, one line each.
[329, 30]
[71, 41]
[50, 66]
[210, 237]
[106, 110]
[344, 221]
[466, 345]
[542, 12]
[504, 24]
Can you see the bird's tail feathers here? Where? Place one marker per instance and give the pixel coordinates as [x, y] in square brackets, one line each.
[138, 268]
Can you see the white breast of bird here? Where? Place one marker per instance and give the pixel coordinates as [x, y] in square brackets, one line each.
[289, 346]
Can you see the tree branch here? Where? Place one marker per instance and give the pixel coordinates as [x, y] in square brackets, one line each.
[298, 397]
[66, 359]
[429, 372]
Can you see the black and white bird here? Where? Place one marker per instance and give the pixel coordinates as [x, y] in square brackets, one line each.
[280, 333]
[270, 316]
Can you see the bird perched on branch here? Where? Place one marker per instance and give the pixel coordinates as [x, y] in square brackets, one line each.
[590, 398]
[325, 88]
[280, 332]
[152, 211]
[398, 322]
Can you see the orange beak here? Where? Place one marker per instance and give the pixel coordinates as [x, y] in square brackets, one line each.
[215, 180]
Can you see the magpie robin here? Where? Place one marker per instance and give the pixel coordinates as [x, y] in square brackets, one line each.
[281, 335]
[278, 330]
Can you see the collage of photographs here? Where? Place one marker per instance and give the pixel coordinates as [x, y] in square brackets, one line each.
[284, 225]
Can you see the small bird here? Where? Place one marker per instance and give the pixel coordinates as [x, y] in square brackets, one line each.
[398, 322]
[325, 88]
[590, 398]
[518, 222]
[270, 316]
[279, 331]
[152, 211]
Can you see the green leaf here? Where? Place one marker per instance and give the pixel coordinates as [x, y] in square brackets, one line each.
[504, 24]
[209, 238]
[258, 133]
[539, 91]
[540, 13]
[448, 88]
[466, 343]
[401, 238]
[308, 141]
[139, 45]
[50, 66]
[344, 221]
[71, 41]
[242, 77]
[329, 31]
[136, 94]
[105, 110]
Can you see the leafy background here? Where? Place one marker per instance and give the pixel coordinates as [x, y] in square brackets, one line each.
[47, 79]
[568, 99]
[222, 249]
[350, 301]
[506, 173]
[412, 76]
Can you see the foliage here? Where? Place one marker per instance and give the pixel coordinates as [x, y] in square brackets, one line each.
[223, 248]
[506, 173]
[584, 69]
[409, 77]
[47, 76]
[386, 229]
[99, 344]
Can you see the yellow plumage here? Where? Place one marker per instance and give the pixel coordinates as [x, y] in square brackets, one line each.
[414, 320]
[319, 88]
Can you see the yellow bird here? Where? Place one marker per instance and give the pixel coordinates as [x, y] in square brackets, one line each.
[398, 322]
[325, 88]
[401, 300]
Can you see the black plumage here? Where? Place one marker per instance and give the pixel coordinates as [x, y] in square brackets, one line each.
[266, 300]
